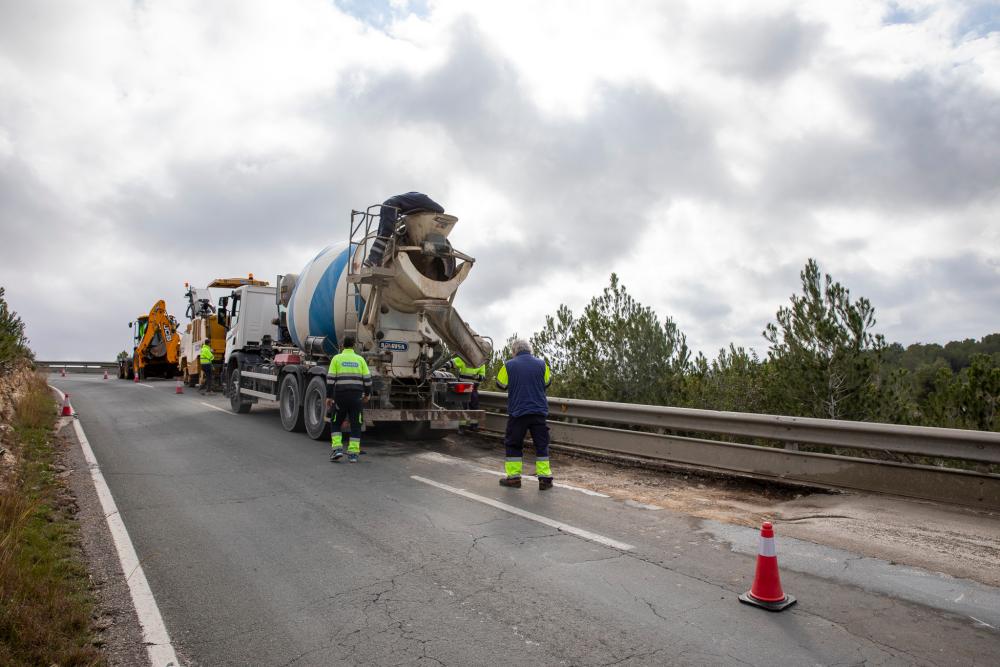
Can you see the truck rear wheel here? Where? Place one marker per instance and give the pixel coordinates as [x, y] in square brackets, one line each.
[290, 404]
[314, 409]
[236, 401]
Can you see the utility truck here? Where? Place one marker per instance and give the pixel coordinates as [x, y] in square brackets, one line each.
[204, 325]
[280, 339]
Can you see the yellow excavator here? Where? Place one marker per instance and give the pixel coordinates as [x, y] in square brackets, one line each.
[156, 344]
[204, 324]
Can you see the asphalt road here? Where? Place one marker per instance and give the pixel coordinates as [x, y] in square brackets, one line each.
[259, 551]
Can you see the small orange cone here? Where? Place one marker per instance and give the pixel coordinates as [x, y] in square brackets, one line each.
[766, 589]
[179, 387]
[105, 374]
[67, 409]
[62, 371]
[136, 377]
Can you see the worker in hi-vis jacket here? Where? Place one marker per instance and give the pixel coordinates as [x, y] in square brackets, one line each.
[525, 377]
[467, 373]
[389, 213]
[205, 359]
[349, 385]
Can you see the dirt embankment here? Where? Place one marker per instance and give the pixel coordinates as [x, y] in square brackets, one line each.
[14, 385]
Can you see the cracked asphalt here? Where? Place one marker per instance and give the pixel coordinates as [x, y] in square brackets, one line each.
[261, 552]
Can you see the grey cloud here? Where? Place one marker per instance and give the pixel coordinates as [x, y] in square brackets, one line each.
[588, 187]
[765, 48]
[931, 145]
[934, 301]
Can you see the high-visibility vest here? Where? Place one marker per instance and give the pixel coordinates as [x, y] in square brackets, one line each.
[206, 355]
[466, 372]
[349, 372]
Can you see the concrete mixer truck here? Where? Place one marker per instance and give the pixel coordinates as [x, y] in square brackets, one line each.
[280, 340]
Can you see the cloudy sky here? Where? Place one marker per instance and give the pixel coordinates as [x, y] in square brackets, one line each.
[702, 150]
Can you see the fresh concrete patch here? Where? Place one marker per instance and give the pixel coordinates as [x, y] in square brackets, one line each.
[954, 540]
[969, 599]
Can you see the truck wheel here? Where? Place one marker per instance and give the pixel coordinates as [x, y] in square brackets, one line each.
[236, 400]
[314, 409]
[421, 431]
[290, 404]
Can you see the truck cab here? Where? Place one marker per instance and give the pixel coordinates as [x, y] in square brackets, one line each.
[248, 314]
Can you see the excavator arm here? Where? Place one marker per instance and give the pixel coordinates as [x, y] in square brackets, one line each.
[160, 339]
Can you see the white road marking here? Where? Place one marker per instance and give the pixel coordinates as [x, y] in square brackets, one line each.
[154, 632]
[143, 384]
[437, 457]
[215, 407]
[982, 623]
[538, 518]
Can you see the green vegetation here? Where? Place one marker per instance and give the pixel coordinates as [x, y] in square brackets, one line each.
[13, 344]
[45, 608]
[824, 360]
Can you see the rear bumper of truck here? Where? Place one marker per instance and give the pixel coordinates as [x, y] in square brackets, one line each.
[438, 418]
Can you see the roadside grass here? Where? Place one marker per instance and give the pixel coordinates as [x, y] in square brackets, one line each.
[45, 604]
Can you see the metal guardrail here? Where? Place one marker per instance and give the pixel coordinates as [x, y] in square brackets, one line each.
[932, 482]
[78, 366]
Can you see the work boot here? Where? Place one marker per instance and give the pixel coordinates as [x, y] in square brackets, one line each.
[352, 458]
[544, 483]
[512, 482]
[336, 455]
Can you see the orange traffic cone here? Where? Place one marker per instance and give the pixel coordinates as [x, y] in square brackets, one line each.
[766, 589]
[62, 371]
[135, 377]
[179, 387]
[67, 409]
[105, 374]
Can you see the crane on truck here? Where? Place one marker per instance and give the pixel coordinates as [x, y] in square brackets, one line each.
[204, 325]
[280, 339]
[155, 345]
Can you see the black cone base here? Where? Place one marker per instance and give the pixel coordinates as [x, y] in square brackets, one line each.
[746, 598]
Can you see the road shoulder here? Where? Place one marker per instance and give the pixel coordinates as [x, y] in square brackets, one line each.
[116, 619]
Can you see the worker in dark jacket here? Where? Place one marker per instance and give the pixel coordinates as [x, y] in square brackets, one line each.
[392, 208]
[525, 377]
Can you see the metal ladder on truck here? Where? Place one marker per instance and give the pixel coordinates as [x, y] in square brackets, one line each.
[364, 230]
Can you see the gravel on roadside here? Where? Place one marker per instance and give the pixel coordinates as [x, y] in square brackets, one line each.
[116, 622]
